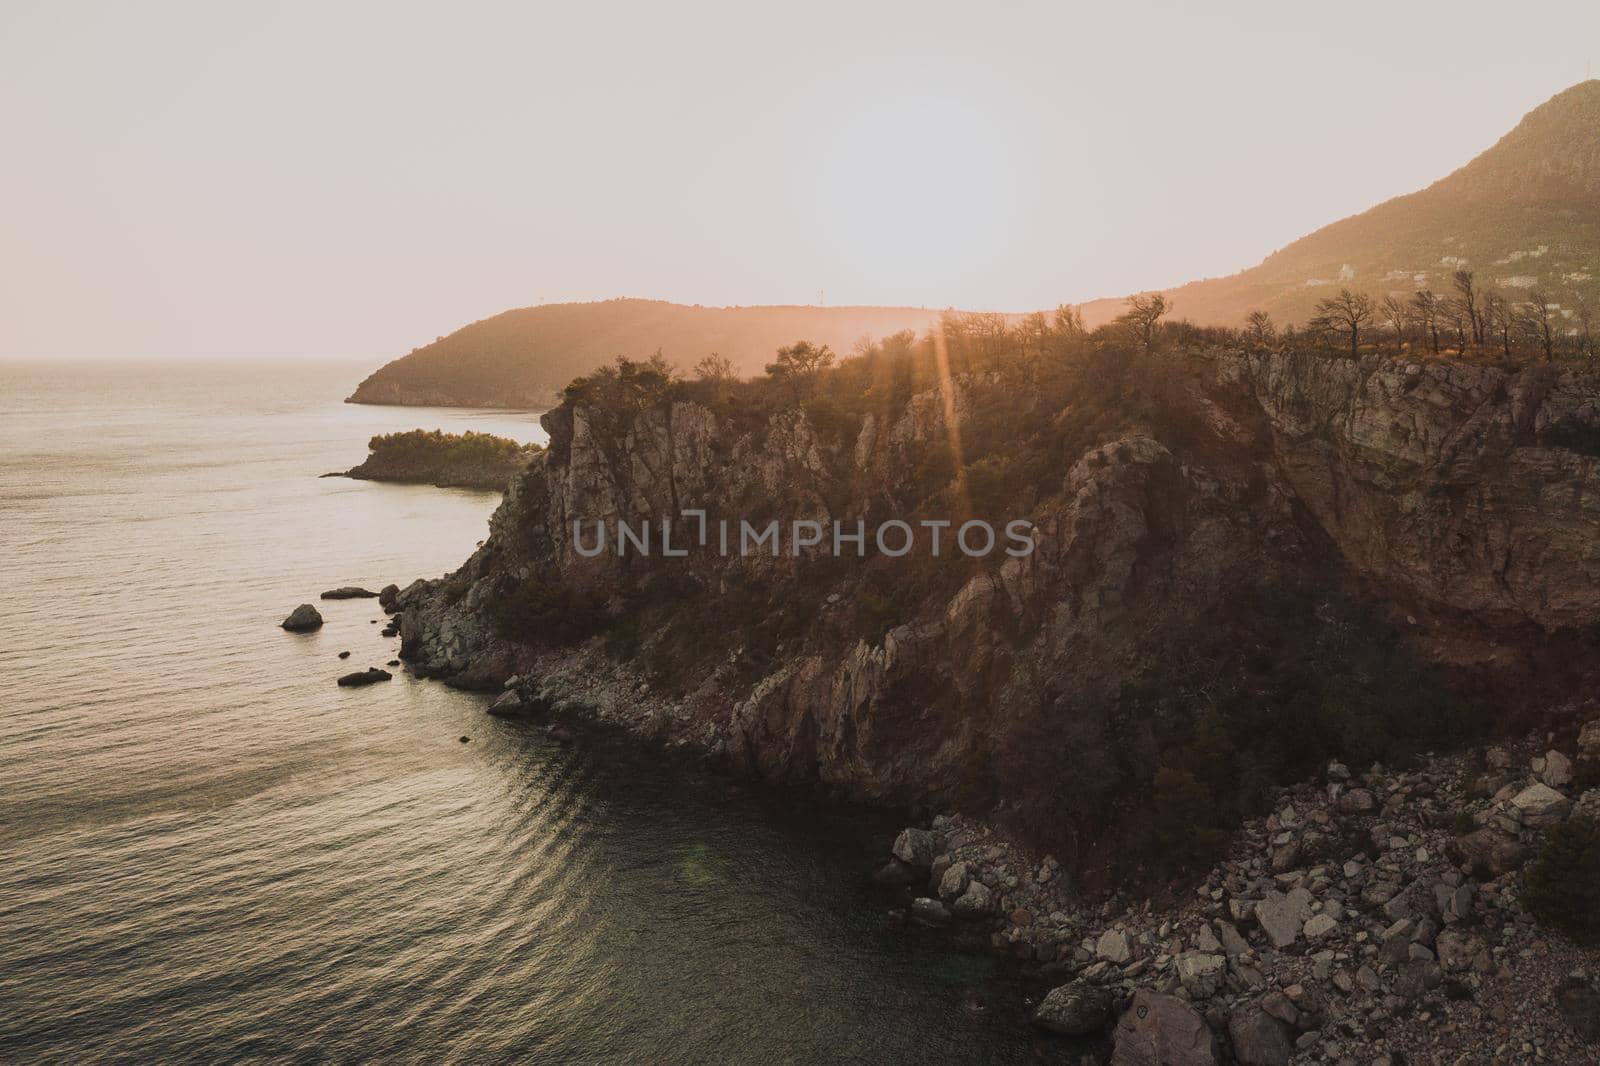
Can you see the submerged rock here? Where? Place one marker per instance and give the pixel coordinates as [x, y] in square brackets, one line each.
[370, 676]
[930, 911]
[303, 619]
[349, 592]
[896, 874]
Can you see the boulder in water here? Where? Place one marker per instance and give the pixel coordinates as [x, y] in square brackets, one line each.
[303, 619]
[387, 596]
[370, 676]
[349, 592]
[508, 705]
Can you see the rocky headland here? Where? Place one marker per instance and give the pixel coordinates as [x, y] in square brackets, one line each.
[1252, 568]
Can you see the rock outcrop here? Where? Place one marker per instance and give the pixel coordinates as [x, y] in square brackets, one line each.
[303, 619]
[1417, 954]
[1463, 498]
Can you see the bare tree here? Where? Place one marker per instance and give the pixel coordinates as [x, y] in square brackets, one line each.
[1347, 313]
[1259, 328]
[1538, 323]
[1454, 316]
[1425, 308]
[1143, 313]
[1397, 314]
[715, 368]
[1066, 332]
[1585, 315]
[1499, 320]
[1467, 297]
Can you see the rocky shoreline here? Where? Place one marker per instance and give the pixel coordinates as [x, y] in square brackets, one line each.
[1371, 918]
[1457, 499]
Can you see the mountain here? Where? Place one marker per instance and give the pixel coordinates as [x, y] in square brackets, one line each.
[523, 358]
[1525, 214]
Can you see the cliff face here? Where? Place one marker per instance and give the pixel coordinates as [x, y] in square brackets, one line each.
[1463, 500]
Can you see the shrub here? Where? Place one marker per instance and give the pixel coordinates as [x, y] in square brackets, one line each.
[1559, 887]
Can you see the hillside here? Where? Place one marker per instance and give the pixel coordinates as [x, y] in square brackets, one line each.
[1525, 214]
[523, 358]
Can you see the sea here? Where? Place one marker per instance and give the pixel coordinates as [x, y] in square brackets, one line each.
[211, 853]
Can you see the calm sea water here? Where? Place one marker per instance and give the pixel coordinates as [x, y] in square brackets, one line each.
[210, 852]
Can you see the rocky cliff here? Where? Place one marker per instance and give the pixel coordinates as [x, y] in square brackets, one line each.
[1449, 510]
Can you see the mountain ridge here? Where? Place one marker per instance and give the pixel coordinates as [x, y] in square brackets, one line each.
[1524, 214]
[525, 357]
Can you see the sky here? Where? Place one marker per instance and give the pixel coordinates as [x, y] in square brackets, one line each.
[352, 179]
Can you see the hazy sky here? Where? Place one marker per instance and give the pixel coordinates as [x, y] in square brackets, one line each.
[353, 179]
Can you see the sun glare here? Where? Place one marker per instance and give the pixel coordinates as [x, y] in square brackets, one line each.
[924, 186]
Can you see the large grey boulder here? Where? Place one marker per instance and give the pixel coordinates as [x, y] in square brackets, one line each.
[1074, 1009]
[508, 705]
[1259, 1039]
[1554, 769]
[1283, 916]
[1113, 946]
[1541, 805]
[954, 881]
[303, 619]
[1162, 1030]
[915, 847]
[1488, 853]
[975, 902]
[1200, 973]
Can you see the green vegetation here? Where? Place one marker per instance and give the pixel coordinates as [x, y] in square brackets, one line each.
[1559, 887]
[451, 460]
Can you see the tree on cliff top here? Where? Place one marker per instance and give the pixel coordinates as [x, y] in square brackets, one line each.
[800, 363]
[1347, 313]
[1144, 312]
